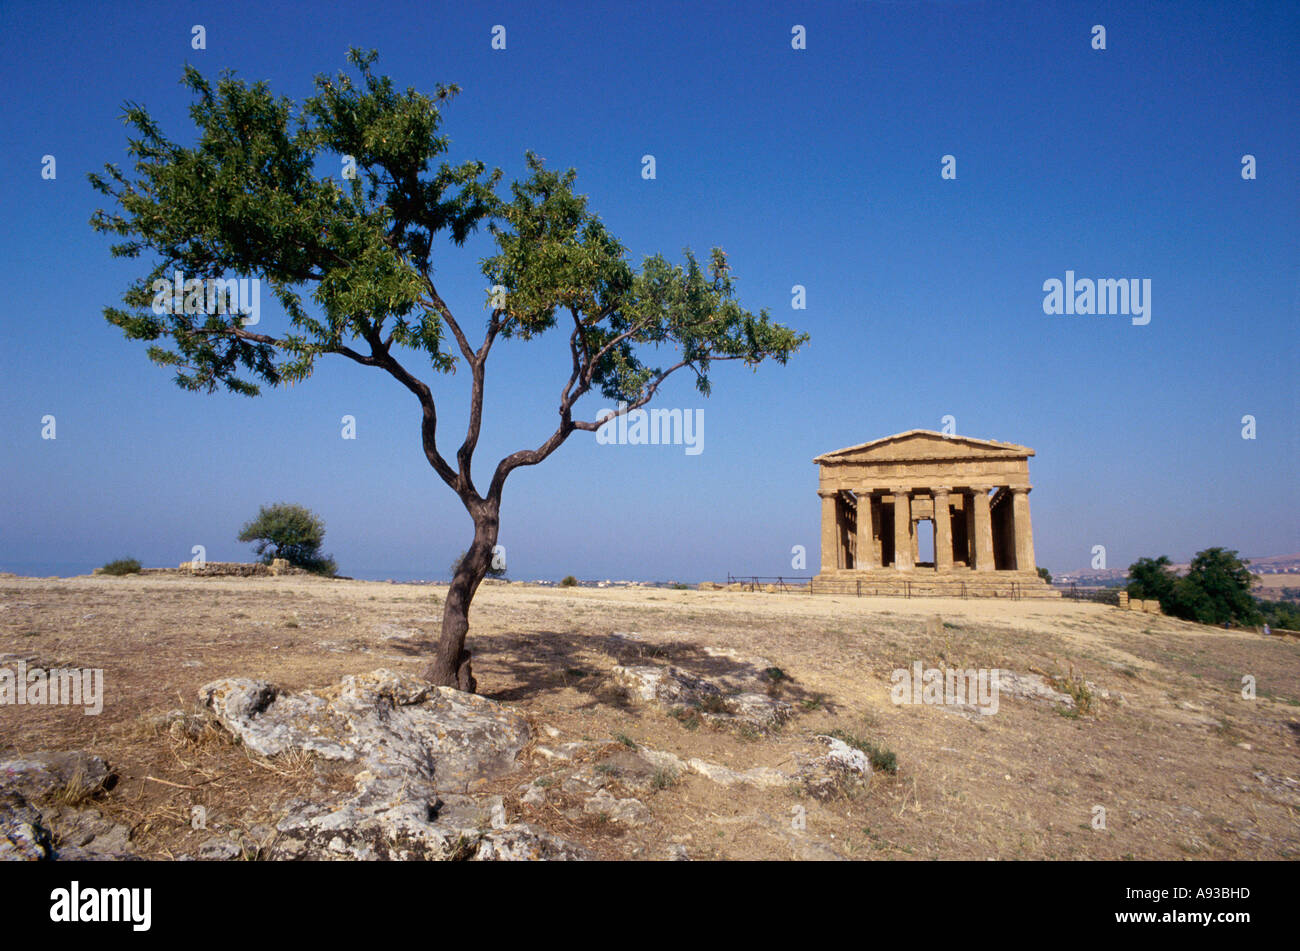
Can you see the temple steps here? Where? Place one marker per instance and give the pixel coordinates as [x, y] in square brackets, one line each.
[926, 582]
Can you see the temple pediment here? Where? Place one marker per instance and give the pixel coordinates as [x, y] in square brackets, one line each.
[924, 445]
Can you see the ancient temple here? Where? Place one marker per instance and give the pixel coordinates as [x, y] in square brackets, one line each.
[975, 494]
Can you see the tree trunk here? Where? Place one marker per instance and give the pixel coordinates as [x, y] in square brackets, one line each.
[450, 666]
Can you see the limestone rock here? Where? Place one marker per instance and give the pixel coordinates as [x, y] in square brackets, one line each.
[23, 837]
[841, 769]
[524, 843]
[672, 687]
[423, 749]
[626, 811]
[220, 849]
[397, 725]
[27, 833]
[760, 776]
[1031, 687]
[86, 835]
[74, 774]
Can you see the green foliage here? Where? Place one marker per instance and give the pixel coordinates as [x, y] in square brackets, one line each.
[1151, 579]
[247, 198]
[1279, 614]
[123, 566]
[568, 581]
[1215, 590]
[292, 532]
[1045, 575]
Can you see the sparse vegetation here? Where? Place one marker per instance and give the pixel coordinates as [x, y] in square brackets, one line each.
[882, 760]
[686, 717]
[568, 581]
[972, 786]
[1078, 690]
[663, 778]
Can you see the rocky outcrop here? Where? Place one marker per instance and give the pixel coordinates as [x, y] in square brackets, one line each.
[713, 699]
[423, 753]
[44, 812]
[841, 770]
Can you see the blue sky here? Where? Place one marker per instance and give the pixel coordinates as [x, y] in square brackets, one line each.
[818, 167]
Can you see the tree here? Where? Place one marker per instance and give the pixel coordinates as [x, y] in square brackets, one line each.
[291, 532]
[1044, 574]
[1151, 579]
[246, 199]
[1217, 589]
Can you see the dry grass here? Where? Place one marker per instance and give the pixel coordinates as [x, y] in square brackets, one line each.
[1174, 763]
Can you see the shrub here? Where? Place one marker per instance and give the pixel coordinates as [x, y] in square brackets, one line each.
[123, 566]
[291, 532]
[882, 760]
[568, 581]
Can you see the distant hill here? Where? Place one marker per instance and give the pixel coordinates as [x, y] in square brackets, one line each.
[1267, 566]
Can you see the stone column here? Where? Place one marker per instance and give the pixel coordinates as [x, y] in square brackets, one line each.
[830, 531]
[983, 546]
[1024, 532]
[942, 529]
[903, 529]
[868, 553]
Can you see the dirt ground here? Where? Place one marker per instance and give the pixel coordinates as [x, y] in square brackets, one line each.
[1181, 763]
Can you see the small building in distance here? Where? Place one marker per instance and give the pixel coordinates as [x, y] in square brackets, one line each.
[975, 492]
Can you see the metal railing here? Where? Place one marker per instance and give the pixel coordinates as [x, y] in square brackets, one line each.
[1108, 595]
[752, 582]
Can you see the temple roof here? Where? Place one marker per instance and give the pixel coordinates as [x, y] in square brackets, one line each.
[924, 444]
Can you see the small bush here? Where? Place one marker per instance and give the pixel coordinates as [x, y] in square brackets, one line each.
[568, 581]
[663, 778]
[1077, 688]
[123, 566]
[882, 760]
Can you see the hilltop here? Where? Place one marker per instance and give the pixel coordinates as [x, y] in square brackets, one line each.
[1139, 715]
